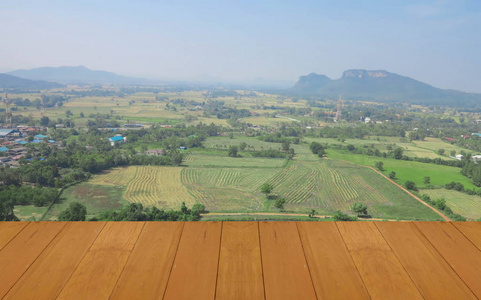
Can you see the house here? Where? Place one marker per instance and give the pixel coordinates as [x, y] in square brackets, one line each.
[459, 157]
[117, 140]
[59, 125]
[157, 152]
[476, 158]
[3, 149]
[8, 133]
[40, 136]
[367, 120]
[448, 139]
[183, 148]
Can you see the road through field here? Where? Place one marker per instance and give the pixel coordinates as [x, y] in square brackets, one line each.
[408, 192]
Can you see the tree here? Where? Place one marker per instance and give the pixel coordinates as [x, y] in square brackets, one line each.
[279, 204]
[44, 121]
[441, 151]
[453, 152]
[410, 185]
[392, 175]
[312, 213]
[75, 212]
[82, 115]
[398, 153]
[379, 165]
[359, 208]
[233, 151]
[267, 188]
[285, 146]
[340, 216]
[427, 180]
[242, 146]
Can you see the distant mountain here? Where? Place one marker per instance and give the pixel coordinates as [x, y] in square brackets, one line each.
[380, 86]
[75, 75]
[13, 82]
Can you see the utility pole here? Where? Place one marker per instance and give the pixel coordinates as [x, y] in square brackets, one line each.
[8, 112]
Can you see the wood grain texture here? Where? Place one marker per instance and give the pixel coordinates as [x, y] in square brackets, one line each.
[49, 273]
[457, 250]
[472, 230]
[286, 273]
[332, 269]
[8, 230]
[431, 274]
[382, 273]
[17, 256]
[194, 272]
[98, 272]
[147, 271]
[240, 265]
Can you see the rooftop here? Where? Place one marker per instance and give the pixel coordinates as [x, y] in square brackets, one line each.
[240, 260]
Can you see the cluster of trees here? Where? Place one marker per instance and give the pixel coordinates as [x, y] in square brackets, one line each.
[136, 212]
[441, 205]
[318, 149]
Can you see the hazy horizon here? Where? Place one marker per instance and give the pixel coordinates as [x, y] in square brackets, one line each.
[436, 42]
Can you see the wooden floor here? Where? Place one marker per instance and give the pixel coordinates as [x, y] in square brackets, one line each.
[240, 260]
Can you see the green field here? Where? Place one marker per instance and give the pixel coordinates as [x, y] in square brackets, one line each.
[468, 206]
[95, 197]
[408, 170]
[226, 184]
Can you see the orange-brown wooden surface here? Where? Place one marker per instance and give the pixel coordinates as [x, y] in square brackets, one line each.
[472, 230]
[146, 274]
[99, 270]
[49, 273]
[332, 269]
[433, 277]
[240, 264]
[286, 273]
[382, 273]
[8, 230]
[458, 251]
[194, 272]
[240, 260]
[17, 256]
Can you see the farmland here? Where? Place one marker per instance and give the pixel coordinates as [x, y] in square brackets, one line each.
[466, 205]
[227, 184]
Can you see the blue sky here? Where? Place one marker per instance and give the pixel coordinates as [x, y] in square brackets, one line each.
[437, 42]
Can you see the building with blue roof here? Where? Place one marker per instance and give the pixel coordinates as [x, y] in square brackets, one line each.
[40, 136]
[116, 140]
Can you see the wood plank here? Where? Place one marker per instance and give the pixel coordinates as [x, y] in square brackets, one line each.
[382, 273]
[286, 273]
[194, 272]
[49, 273]
[428, 270]
[21, 252]
[472, 230]
[8, 230]
[240, 265]
[147, 271]
[458, 251]
[99, 270]
[332, 269]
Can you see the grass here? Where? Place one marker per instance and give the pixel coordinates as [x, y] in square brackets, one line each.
[202, 160]
[29, 212]
[95, 197]
[408, 170]
[468, 206]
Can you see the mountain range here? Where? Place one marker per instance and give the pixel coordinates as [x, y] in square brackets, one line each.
[14, 82]
[379, 86]
[75, 75]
